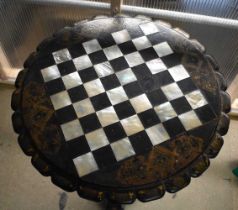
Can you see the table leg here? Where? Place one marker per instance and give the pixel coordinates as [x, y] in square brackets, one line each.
[113, 206]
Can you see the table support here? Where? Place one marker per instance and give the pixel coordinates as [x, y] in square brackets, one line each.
[116, 7]
[113, 206]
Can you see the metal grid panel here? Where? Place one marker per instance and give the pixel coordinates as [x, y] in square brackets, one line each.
[217, 8]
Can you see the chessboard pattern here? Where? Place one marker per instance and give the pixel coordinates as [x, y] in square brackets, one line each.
[120, 96]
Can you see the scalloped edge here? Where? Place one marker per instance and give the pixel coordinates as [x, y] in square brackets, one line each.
[172, 185]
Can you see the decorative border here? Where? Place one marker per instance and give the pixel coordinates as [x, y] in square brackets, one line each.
[171, 185]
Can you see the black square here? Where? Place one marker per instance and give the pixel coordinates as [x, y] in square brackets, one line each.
[140, 142]
[78, 146]
[55, 86]
[174, 127]
[110, 82]
[124, 110]
[148, 54]
[43, 61]
[66, 68]
[66, 114]
[88, 74]
[157, 38]
[100, 101]
[162, 78]
[141, 71]
[90, 123]
[205, 113]
[114, 132]
[77, 50]
[133, 89]
[78, 93]
[187, 85]
[149, 118]
[106, 40]
[172, 60]
[135, 31]
[119, 64]
[104, 157]
[181, 105]
[97, 57]
[148, 84]
[127, 47]
[156, 97]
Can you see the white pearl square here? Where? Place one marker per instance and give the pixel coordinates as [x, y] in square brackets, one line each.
[155, 66]
[172, 91]
[82, 62]
[178, 73]
[122, 149]
[134, 59]
[83, 108]
[196, 99]
[97, 139]
[149, 28]
[190, 120]
[163, 49]
[61, 56]
[157, 134]
[103, 69]
[94, 87]
[107, 116]
[91, 46]
[121, 36]
[117, 95]
[60, 100]
[141, 103]
[126, 76]
[132, 125]
[85, 164]
[112, 52]
[72, 130]
[50, 73]
[72, 80]
[141, 43]
[165, 111]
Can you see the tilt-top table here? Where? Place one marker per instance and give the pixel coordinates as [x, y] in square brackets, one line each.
[120, 108]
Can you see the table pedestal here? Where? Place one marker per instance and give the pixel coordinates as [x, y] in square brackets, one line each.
[113, 206]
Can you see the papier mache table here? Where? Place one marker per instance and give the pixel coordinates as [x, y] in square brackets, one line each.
[120, 108]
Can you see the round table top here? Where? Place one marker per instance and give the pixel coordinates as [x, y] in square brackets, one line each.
[120, 107]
